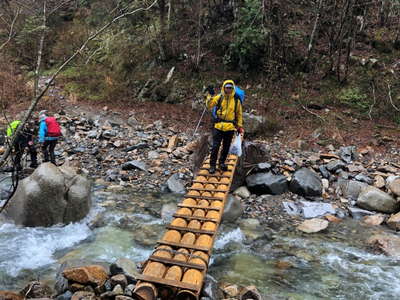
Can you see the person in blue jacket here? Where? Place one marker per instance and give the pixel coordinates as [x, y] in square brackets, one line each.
[48, 142]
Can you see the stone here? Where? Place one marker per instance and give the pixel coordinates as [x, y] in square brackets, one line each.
[242, 192]
[93, 274]
[122, 297]
[37, 289]
[254, 123]
[65, 296]
[210, 288]
[231, 290]
[394, 221]
[306, 183]
[358, 213]
[374, 220]
[119, 279]
[333, 219]
[233, 209]
[262, 167]
[172, 143]
[82, 295]
[51, 195]
[316, 209]
[175, 184]
[125, 266]
[129, 290]
[313, 225]
[134, 164]
[325, 183]
[347, 154]
[118, 290]
[387, 244]
[364, 178]
[372, 198]
[324, 172]
[267, 183]
[7, 295]
[351, 189]
[132, 121]
[250, 292]
[394, 187]
[379, 181]
[153, 155]
[335, 165]
[291, 208]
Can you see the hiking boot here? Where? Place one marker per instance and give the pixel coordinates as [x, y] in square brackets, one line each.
[223, 167]
[212, 170]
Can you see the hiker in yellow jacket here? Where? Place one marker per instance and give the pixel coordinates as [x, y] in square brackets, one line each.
[227, 119]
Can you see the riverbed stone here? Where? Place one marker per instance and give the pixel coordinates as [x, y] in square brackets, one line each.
[394, 222]
[335, 165]
[118, 290]
[92, 274]
[374, 220]
[231, 290]
[37, 289]
[316, 209]
[250, 292]
[65, 296]
[233, 209]
[379, 181]
[82, 295]
[313, 225]
[50, 196]
[394, 186]
[348, 153]
[176, 185]
[351, 188]
[134, 164]
[243, 192]
[119, 279]
[8, 295]
[358, 213]
[372, 198]
[385, 243]
[210, 288]
[267, 183]
[306, 183]
[167, 211]
[125, 266]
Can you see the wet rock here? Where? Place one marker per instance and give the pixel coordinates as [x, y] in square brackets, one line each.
[262, 167]
[93, 274]
[267, 183]
[394, 186]
[242, 192]
[379, 181]
[313, 225]
[122, 297]
[51, 195]
[137, 146]
[358, 213]
[118, 290]
[250, 292]
[306, 183]
[210, 288]
[127, 267]
[335, 165]
[347, 154]
[394, 222]
[291, 208]
[7, 295]
[176, 185]
[387, 244]
[231, 290]
[324, 172]
[65, 296]
[134, 164]
[364, 178]
[374, 220]
[129, 290]
[82, 295]
[233, 209]
[372, 198]
[119, 279]
[37, 289]
[316, 209]
[351, 189]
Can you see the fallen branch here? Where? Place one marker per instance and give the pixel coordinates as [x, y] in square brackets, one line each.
[36, 99]
[313, 113]
[390, 98]
[10, 34]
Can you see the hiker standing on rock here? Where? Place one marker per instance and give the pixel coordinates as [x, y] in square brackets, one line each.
[25, 139]
[227, 119]
[49, 132]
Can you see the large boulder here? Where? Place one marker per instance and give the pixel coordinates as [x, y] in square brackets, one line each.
[233, 209]
[267, 183]
[306, 183]
[50, 196]
[351, 189]
[372, 198]
[394, 186]
[385, 243]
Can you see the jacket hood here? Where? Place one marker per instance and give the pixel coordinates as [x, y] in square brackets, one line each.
[225, 83]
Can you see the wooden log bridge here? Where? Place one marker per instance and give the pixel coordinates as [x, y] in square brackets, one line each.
[177, 267]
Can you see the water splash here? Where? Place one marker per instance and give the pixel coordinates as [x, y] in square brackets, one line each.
[235, 235]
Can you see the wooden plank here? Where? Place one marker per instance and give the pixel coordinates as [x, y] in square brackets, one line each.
[178, 284]
[208, 190]
[190, 229]
[179, 245]
[194, 218]
[199, 207]
[204, 197]
[177, 263]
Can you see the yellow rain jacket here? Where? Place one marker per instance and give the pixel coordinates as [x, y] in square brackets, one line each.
[228, 118]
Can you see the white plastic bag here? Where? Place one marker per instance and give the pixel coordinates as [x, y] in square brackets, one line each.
[236, 146]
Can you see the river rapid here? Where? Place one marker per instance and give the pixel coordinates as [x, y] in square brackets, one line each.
[282, 264]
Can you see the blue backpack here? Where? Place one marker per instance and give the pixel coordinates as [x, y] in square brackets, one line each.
[239, 96]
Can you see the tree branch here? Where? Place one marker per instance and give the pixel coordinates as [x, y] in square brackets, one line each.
[10, 35]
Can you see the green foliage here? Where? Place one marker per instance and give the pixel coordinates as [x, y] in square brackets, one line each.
[354, 98]
[248, 46]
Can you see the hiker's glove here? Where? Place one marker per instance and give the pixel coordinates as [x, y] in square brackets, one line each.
[210, 90]
[240, 130]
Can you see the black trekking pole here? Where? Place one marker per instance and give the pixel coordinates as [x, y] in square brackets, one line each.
[210, 90]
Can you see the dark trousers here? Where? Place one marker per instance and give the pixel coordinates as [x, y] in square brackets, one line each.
[19, 151]
[220, 136]
[48, 146]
